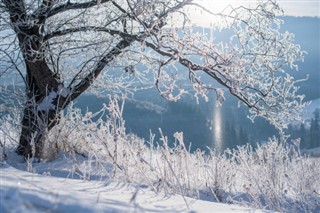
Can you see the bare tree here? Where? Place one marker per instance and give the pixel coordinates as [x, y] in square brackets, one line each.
[61, 47]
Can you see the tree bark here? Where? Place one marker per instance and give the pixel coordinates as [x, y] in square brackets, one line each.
[35, 125]
[36, 121]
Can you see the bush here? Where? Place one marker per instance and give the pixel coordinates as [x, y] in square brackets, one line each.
[273, 176]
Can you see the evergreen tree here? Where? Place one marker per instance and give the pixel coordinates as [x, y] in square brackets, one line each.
[230, 135]
[243, 136]
[315, 129]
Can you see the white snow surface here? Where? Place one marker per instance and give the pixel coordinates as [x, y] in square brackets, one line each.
[63, 91]
[55, 191]
[46, 104]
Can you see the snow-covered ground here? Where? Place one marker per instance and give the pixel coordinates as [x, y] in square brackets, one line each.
[23, 191]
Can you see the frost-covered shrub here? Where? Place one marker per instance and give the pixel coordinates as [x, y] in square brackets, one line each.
[273, 176]
[9, 133]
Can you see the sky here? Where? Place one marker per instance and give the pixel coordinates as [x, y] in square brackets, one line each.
[290, 7]
[300, 7]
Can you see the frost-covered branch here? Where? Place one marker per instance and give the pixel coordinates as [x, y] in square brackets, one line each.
[127, 44]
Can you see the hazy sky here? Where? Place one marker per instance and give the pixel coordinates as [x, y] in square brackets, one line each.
[290, 7]
[300, 7]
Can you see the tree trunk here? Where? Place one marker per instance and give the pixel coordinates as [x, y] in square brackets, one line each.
[35, 125]
[37, 119]
[41, 81]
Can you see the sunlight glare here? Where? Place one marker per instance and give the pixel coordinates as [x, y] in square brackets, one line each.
[217, 6]
[217, 128]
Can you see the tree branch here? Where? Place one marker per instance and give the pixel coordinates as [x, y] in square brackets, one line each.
[85, 83]
[16, 9]
[87, 28]
[74, 6]
[209, 71]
